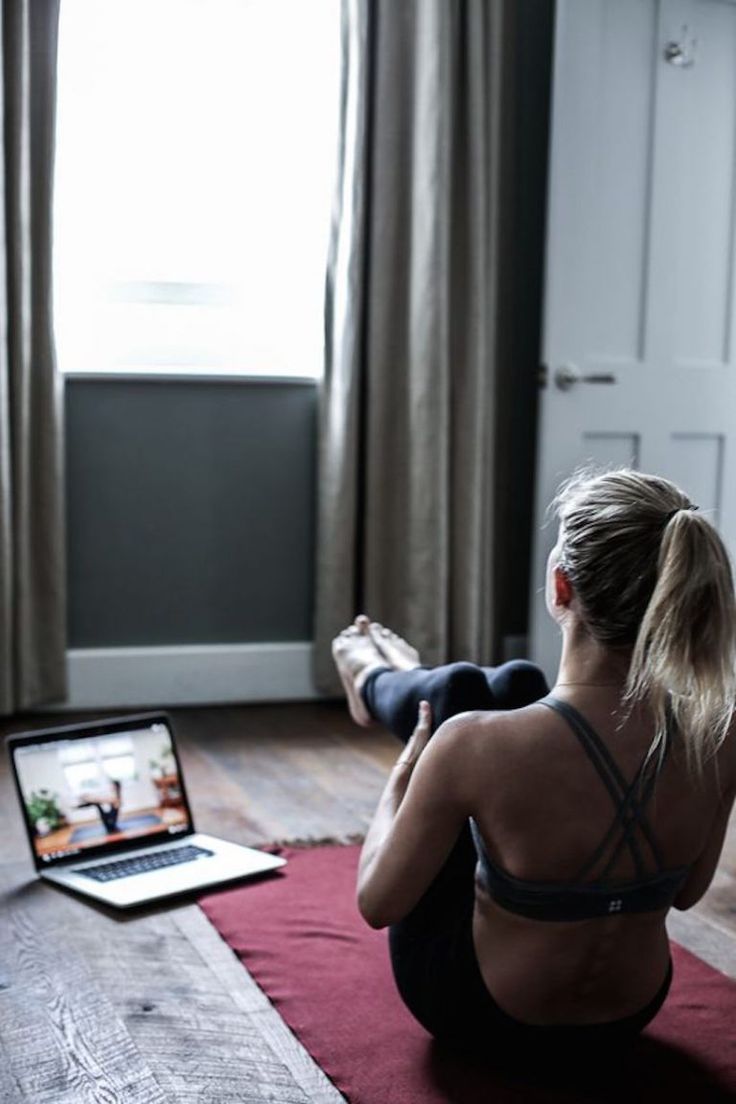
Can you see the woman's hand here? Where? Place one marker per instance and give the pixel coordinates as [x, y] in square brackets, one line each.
[421, 812]
[396, 787]
[418, 739]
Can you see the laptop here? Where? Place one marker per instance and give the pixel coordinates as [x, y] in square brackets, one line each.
[107, 815]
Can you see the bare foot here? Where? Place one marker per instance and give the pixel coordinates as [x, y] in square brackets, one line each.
[398, 652]
[356, 655]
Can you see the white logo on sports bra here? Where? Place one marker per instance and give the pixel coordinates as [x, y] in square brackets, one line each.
[614, 905]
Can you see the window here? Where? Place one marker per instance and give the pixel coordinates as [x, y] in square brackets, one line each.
[83, 776]
[91, 764]
[195, 165]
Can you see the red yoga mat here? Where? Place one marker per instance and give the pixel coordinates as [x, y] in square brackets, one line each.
[301, 937]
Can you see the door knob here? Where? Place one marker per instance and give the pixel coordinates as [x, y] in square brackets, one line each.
[568, 375]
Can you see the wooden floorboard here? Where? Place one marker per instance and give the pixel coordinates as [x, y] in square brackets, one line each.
[63, 1039]
[98, 1006]
[252, 1001]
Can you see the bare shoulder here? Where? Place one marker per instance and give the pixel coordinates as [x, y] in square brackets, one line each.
[496, 726]
[480, 740]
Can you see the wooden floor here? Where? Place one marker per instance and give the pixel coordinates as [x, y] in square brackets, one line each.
[154, 1007]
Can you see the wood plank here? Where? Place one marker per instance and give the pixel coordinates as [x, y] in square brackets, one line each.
[727, 862]
[204, 1044]
[219, 804]
[282, 800]
[62, 1039]
[376, 746]
[11, 1090]
[296, 766]
[248, 996]
[714, 945]
[717, 911]
[99, 1001]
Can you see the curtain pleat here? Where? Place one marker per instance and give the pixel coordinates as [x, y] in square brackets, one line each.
[409, 411]
[32, 571]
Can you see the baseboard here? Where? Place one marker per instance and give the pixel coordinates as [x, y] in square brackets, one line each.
[191, 674]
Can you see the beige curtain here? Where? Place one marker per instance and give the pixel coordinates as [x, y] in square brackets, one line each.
[409, 445]
[32, 608]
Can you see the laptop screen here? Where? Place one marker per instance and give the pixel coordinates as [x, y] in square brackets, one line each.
[100, 788]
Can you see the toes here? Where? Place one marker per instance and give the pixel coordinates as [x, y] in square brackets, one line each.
[385, 633]
[362, 623]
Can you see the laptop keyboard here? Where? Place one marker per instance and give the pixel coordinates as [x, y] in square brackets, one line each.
[142, 864]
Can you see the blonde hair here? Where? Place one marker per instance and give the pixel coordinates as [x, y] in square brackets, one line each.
[653, 577]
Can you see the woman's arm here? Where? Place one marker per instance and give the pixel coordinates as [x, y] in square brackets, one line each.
[420, 814]
[703, 869]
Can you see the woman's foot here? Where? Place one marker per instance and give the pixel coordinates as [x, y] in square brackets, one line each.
[399, 653]
[356, 655]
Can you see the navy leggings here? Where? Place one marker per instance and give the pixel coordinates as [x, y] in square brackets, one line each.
[432, 951]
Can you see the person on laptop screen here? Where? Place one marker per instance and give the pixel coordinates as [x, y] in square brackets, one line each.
[80, 793]
[108, 806]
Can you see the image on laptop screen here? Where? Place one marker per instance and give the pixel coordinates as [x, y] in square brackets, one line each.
[92, 791]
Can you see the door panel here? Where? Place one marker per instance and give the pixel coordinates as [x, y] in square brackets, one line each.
[697, 463]
[611, 449]
[603, 99]
[690, 292]
[706, 216]
[639, 287]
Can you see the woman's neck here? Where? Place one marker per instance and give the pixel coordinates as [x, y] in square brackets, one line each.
[586, 662]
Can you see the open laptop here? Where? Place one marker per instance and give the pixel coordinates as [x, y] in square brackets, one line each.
[107, 815]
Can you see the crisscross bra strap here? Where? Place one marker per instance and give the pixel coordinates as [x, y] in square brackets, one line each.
[629, 810]
[629, 827]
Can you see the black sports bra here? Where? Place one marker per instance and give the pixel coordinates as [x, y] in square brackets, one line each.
[578, 900]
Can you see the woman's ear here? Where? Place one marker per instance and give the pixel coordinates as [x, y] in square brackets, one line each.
[562, 587]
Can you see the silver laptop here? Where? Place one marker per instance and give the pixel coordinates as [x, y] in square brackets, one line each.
[107, 815]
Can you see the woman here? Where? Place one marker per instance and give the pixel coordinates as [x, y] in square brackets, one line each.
[592, 811]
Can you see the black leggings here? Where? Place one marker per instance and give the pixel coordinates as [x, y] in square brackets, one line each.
[432, 951]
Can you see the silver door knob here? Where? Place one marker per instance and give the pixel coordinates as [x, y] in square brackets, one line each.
[568, 375]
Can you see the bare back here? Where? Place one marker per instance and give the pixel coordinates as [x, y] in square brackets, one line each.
[542, 809]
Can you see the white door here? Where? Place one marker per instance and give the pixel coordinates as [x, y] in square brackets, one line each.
[639, 342]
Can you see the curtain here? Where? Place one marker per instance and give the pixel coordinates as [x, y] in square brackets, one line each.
[411, 426]
[32, 602]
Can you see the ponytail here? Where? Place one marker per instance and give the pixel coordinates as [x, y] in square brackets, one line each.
[684, 660]
[654, 582]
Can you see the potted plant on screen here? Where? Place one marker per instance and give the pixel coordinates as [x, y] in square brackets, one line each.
[44, 812]
[165, 765]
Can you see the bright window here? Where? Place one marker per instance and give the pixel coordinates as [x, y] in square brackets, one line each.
[92, 764]
[195, 165]
[83, 776]
[119, 767]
